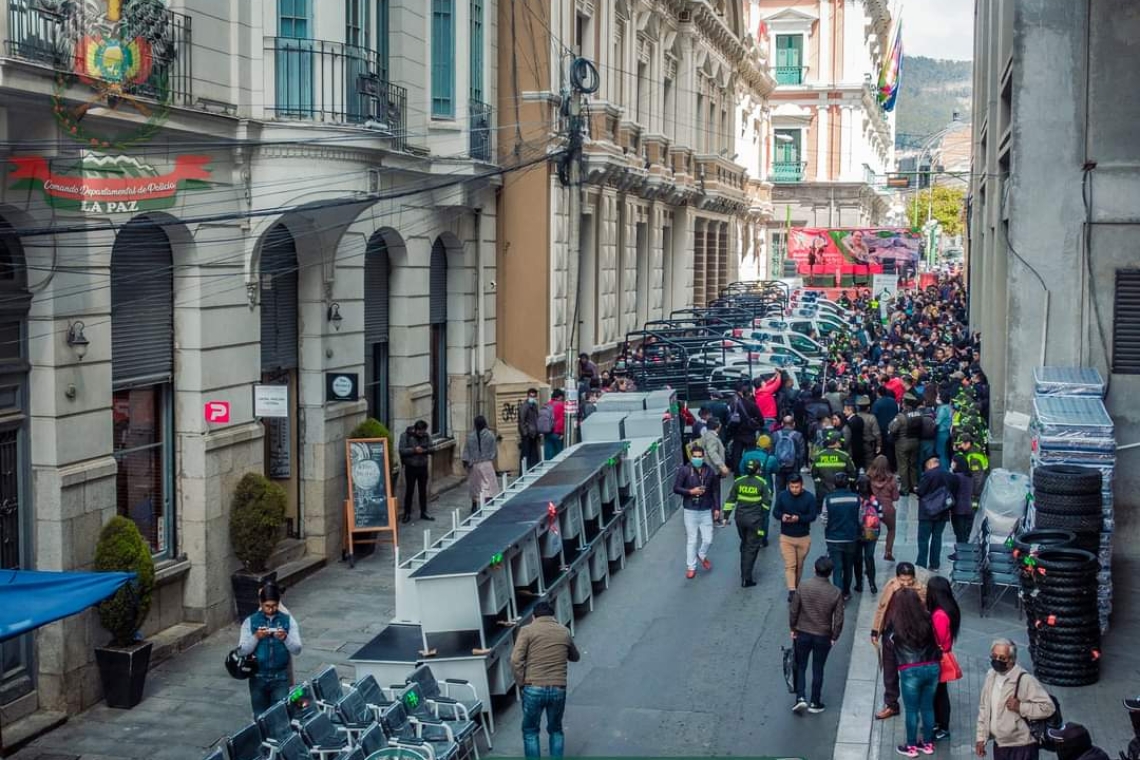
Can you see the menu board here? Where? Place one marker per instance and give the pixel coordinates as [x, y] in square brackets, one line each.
[368, 483]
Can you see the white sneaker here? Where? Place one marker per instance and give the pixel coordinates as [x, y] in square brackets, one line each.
[800, 706]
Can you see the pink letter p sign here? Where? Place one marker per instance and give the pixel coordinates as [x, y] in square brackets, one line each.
[217, 411]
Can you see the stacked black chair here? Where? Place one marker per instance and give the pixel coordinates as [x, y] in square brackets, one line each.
[1059, 586]
[276, 728]
[456, 699]
[218, 754]
[421, 709]
[373, 696]
[353, 715]
[327, 689]
[323, 738]
[246, 744]
[293, 748]
[1067, 497]
[399, 725]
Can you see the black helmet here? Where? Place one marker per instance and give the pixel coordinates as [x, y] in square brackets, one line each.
[241, 666]
[752, 467]
[840, 480]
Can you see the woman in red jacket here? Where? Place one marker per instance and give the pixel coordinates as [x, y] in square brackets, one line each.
[946, 619]
[766, 398]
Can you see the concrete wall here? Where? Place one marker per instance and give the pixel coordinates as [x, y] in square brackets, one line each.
[1051, 140]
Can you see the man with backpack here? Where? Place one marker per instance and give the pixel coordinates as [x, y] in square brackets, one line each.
[528, 431]
[1011, 701]
[790, 451]
[552, 423]
[936, 498]
[745, 423]
[750, 500]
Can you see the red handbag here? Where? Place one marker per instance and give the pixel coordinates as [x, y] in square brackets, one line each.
[950, 669]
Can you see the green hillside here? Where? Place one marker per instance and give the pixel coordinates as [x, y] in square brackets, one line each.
[932, 90]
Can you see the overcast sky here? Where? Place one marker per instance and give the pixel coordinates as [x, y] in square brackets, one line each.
[939, 28]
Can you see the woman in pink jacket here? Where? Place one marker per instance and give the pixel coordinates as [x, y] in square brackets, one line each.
[946, 619]
[766, 398]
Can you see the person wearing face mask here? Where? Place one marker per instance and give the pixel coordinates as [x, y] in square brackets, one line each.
[699, 484]
[881, 626]
[528, 431]
[1010, 698]
[1073, 742]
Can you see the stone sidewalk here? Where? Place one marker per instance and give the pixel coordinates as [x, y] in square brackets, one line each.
[1098, 707]
[191, 702]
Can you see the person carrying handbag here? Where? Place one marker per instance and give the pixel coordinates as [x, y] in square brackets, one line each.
[946, 618]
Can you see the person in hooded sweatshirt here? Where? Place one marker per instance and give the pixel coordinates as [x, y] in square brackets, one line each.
[1073, 742]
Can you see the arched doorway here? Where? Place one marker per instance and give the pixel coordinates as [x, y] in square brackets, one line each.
[437, 322]
[15, 511]
[280, 362]
[142, 375]
[377, 272]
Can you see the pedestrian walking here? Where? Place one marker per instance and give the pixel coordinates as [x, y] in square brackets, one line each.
[479, 455]
[906, 429]
[870, 527]
[942, 419]
[750, 501]
[885, 486]
[919, 663]
[699, 485]
[828, 463]
[528, 431]
[552, 424]
[816, 619]
[274, 636]
[962, 516]
[716, 458]
[936, 492]
[1011, 697]
[946, 618]
[539, 661]
[790, 451]
[881, 627]
[840, 515]
[795, 511]
[872, 441]
[414, 445]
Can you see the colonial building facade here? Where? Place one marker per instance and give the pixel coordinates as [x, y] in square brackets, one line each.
[264, 196]
[830, 138]
[669, 207]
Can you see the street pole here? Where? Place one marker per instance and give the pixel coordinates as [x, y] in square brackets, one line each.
[573, 254]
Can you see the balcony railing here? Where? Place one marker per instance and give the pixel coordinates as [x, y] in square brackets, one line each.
[320, 80]
[788, 171]
[479, 130]
[39, 36]
[789, 74]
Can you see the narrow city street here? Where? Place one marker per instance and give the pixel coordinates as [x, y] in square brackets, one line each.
[682, 667]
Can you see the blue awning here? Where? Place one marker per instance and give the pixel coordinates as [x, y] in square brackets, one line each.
[32, 598]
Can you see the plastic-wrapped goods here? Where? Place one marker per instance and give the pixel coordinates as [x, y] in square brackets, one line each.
[1072, 423]
[1068, 381]
[1003, 501]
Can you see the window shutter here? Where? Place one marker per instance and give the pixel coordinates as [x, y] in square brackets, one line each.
[142, 306]
[1126, 323]
[376, 270]
[438, 300]
[279, 316]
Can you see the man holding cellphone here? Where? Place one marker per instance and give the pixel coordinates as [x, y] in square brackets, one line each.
[276, 638]
[699, 484]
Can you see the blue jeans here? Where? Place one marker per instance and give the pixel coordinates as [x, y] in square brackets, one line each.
[930, 542]
[842, 554]
[551, 445]
[266, 691]
[536, 699]
[942, 448]
[917, 686]
[817, 648]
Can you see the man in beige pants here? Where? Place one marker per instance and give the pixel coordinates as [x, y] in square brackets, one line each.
[795, 512]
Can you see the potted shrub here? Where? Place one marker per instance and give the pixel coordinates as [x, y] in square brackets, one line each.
[257, 516]
[373, 428]
[123, 663]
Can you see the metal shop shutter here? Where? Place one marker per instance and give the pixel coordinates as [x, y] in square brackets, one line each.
[376, 268]
[142, 305]
[279, 318]
[1126, 323]
[438, 308]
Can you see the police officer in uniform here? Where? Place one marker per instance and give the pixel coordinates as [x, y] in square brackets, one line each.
[751, 501]
[831, 460]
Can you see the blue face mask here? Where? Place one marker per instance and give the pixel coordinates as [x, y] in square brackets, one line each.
[697, 461]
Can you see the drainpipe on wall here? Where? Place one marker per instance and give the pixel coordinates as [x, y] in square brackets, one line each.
[477, 368]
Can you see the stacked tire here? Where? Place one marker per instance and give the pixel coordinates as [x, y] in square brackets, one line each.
[1059, 587]
[1069, 498]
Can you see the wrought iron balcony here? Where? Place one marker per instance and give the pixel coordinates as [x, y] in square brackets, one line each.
[789, 75]
[788, 171]
[320, 80]
[41, 36]
[479, 134]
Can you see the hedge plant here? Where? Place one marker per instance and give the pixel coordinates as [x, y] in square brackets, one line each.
[373, 428]
[121, 548]
[256, 516]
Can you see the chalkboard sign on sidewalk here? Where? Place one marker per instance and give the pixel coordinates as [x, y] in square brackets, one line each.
[369, 507]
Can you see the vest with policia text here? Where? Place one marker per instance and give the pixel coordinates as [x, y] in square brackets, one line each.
[827, 464]
[750, 500]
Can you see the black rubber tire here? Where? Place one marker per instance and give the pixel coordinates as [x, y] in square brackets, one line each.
[1053, 675]
[1064, 655]
[1042, 611]
[1077, 642]
[1069, 521]
[1066, 479]
[1079, 503]
[1066, 559]
[1086, 679]
[1032, 540]
[1066, 668]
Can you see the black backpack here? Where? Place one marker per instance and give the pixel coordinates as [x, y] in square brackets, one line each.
[1039, 729]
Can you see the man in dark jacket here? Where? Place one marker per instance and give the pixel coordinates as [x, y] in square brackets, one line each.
[906, 430]
[795, 511]
[699, 484]
[528, 431]
[830, 462]
[962, 517]
[751, 422]
[750, 500]
[1073, 742]
[886, 409]
[841, 516]
[816, 619]
[936, 490]
[415, 442]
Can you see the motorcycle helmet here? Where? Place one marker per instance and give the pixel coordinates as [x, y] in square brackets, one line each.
[240, 666]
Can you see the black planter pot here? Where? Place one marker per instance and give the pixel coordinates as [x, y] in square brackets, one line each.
[123, 672]
[246, 586]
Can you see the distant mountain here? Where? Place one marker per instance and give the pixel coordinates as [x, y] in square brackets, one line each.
[932, 90]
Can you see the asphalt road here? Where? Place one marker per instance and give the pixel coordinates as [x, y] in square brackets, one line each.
[673, 667]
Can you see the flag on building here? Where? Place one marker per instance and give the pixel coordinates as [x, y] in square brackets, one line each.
[891, 74]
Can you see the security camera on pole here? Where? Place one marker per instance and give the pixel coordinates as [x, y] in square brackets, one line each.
[584, 80]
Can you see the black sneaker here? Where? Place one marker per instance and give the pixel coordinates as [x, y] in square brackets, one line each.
[791, 594]
[406, 518]
[858, 589]
[815, 708]
[747, 583]
[941, 734]
[426, 516]
[800, 706]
